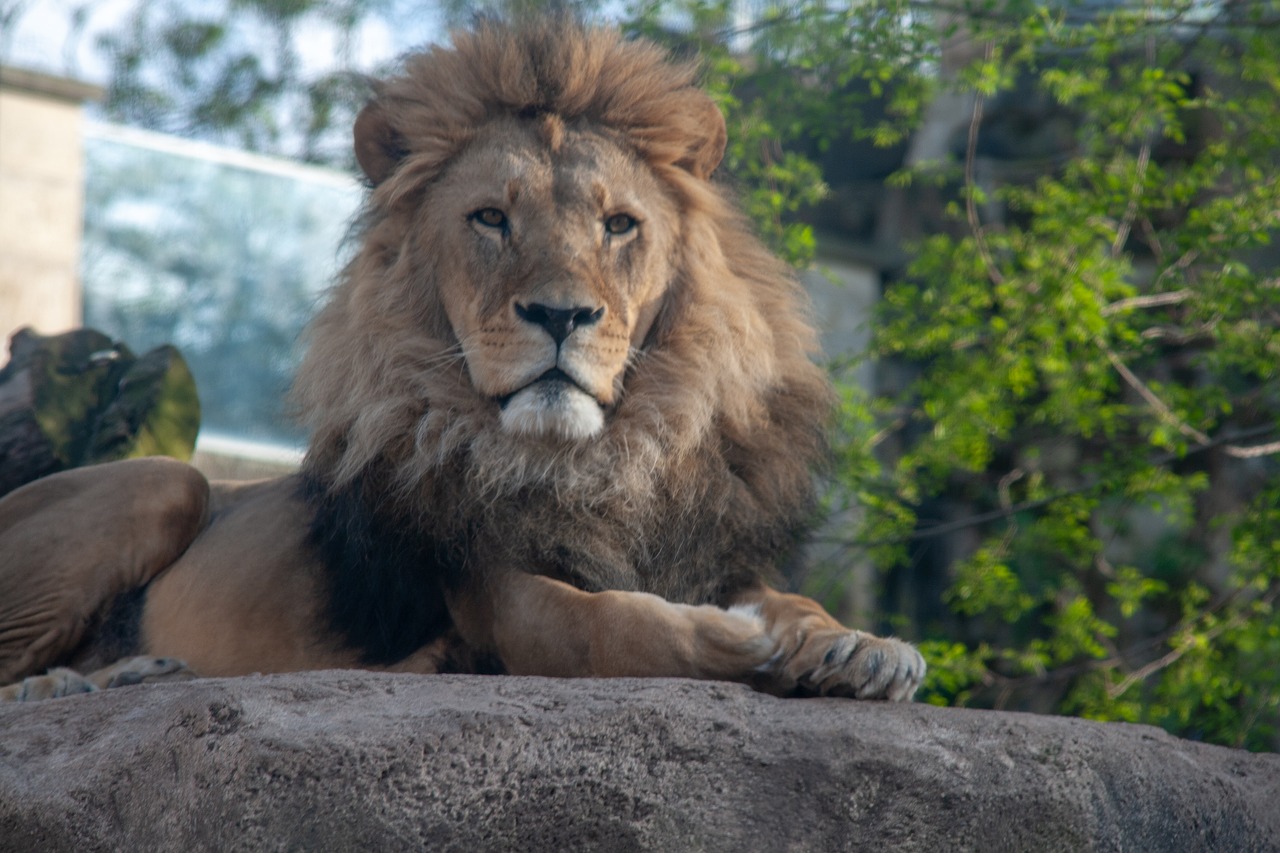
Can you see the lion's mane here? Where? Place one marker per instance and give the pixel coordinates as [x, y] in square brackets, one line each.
[702, 478]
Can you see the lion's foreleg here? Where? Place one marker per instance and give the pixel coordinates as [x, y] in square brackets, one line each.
[540, 626]
[70, 543]
[818, 655]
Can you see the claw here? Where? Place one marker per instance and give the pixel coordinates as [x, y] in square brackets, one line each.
[865, 667]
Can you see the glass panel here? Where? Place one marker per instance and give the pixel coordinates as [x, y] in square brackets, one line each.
[223, 254]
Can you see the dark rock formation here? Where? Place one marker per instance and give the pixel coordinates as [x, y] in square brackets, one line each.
[358, 761]
[80, 398]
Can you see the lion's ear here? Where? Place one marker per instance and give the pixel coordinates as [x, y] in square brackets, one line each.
[708, 147]
[379, 146]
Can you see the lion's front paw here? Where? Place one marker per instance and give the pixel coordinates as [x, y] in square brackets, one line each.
[855, 664]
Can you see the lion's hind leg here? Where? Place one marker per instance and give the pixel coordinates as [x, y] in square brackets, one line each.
[74, 541]
[54, 684]
[60, 681]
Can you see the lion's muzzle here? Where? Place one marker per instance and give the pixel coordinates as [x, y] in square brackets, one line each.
[553, 405]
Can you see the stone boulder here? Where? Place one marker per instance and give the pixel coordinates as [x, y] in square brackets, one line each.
[358, 761]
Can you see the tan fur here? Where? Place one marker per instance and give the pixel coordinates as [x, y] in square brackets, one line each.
[541, 197]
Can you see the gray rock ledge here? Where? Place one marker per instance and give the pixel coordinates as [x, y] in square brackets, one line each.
[358, 761]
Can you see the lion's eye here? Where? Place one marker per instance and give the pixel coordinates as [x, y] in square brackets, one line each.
[619, 223]
[490, 217]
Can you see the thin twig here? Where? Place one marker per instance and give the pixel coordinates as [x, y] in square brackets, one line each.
[1009, 683]
[970, 156]
[1144, 672]
[1167, 414]
[1252, 452]
[1153, 300]
[1135, 196]
[1153, 400]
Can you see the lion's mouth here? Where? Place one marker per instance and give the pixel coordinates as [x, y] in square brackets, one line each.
[553, 405]
[555, 374]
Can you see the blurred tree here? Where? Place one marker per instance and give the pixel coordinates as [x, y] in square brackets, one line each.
[230, 71]
[247, 73]
[463, 12]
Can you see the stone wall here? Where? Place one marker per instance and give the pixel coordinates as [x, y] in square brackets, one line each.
[357, 761]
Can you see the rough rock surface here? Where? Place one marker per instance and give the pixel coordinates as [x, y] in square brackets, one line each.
[358, 761]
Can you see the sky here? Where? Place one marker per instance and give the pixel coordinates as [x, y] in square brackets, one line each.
[42, 38]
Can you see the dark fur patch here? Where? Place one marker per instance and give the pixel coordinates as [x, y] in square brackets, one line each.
[121, 627]
[115, 632]
[385, 577]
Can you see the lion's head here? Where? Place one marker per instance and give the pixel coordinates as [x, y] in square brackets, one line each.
[554, 248]
[552, 294]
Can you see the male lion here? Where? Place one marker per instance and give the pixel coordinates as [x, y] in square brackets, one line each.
[563, 423]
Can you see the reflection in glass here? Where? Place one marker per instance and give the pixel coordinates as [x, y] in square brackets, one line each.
[221, 253]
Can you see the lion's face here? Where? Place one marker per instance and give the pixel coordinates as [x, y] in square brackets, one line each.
[559, 254]
[552, 293]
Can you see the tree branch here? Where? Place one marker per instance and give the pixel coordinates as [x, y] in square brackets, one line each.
[1145, 672]
[1153, 400]
[1154, 300]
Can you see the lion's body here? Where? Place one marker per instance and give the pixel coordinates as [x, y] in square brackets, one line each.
[563, 416]
[244, 597]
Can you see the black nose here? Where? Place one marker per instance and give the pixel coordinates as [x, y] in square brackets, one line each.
[559, 323]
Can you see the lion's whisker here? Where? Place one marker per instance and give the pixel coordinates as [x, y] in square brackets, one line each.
[454, 353]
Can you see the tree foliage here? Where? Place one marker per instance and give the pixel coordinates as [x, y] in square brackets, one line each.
[232, 71]
[1092, 340]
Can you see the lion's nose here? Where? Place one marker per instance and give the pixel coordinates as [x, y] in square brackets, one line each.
[559, 323]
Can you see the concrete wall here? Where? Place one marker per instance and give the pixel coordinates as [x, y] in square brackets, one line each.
[41, 200]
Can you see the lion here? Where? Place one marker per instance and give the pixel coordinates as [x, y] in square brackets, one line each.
[564, 421]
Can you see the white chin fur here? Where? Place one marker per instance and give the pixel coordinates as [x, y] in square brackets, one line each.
[553, 409]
